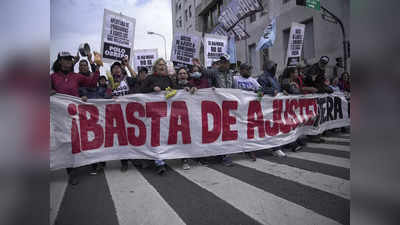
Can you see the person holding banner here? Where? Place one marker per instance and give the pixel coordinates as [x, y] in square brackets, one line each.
[221, 78]
[121, 85]
[270, 86]
[157, 82]
[248, 83]
[292, 84]
[65, 81]
[198, 79]
[142, 74]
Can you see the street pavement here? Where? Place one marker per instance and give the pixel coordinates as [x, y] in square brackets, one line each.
[310, 187]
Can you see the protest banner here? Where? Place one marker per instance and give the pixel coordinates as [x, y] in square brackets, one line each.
[295, 44]
[145, 58]
[210, 122]
[185, 48]
[215, 46]
[117, 36]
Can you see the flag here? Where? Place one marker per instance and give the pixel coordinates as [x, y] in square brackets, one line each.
[268, 38]
[232, 49]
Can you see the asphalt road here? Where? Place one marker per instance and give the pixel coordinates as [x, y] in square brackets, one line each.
[307, 187]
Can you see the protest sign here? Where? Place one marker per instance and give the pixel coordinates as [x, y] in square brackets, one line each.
[210, 122]
[185, 48]
[295, 44]
[117, 36]
[215, 46]
[145, 58]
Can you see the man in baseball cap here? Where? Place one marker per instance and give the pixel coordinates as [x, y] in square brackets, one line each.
[65, 55]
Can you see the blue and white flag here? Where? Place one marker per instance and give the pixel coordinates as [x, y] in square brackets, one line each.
[268, 38]
[232, 49]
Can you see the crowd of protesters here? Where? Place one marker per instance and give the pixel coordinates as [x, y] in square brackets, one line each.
[88, 84]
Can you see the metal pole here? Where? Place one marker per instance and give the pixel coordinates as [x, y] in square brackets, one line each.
[165, 42]
[343, 36]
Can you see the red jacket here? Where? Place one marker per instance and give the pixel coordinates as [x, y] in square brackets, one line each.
[69, 84]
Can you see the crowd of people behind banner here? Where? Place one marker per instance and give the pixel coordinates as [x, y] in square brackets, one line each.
[88, 84]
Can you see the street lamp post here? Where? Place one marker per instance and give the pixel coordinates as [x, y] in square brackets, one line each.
[346, 43]
[165, 42]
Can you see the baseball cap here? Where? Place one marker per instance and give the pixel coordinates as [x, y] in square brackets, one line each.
[224, 57]
[65, 54]
[324, 59]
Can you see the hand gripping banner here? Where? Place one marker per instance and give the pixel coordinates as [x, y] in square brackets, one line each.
[210, 122]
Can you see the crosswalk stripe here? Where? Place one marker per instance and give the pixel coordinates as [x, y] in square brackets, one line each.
[136, 201]
[333, 185]
[58, 185]
[264, 207]
[344, 135]
[338, 139]
[326, 159]
[329, 146]
[331, 152]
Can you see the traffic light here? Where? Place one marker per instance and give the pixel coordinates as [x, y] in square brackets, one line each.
[339, 62]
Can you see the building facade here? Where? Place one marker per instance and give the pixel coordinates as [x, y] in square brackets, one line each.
[321, 37]
[184, 16]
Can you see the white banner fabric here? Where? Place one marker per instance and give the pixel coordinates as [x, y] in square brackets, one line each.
[210, 122]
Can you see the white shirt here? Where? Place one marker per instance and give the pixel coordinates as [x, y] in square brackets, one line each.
[249, 84]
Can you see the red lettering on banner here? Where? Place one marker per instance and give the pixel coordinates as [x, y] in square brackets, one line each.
[252, 122]
[114, 113]
[309, 114]
[90, 124]
[293, 105]
[131, 108]
[179, 110]
[276, 115]
[75, 141]
[302, 105]
[284, 128]
[209, 107]
[156, 110]
[227, 121]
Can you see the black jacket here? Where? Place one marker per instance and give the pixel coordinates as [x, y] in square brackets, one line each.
[152, 81]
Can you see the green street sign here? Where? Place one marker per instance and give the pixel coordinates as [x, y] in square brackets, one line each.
[313, 4]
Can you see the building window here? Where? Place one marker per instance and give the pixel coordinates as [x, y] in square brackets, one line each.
[186, 15]
[180, 6]
[210, 18]
[253, 17]
[190, 11]
[285, 1]
[252, 54]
